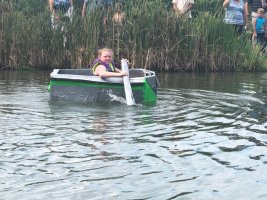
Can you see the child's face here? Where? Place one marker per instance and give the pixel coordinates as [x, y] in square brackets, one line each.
[106, 56]
[260, 14]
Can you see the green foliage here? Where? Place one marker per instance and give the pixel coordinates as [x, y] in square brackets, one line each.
[25, 6]
[206, 6]
[151, 37]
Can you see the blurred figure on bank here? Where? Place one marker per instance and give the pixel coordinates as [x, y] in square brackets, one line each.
[236, 14]
[118, 18]
[183, 7]
[107, 4]
[61, 12]
[259, 28]
[80, 7]
[104, 65]
[90, 6]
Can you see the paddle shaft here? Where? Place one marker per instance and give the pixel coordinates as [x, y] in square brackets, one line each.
[127, 85]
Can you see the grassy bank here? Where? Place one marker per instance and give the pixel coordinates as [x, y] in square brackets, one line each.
[152, 37]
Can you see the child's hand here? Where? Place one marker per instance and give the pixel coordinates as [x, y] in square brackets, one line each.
[123, 73]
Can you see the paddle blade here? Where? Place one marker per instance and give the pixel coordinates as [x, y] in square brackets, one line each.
[127, 85]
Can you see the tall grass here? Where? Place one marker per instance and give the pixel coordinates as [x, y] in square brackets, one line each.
[151, 37]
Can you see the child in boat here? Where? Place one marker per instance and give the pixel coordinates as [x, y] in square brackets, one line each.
[104, 66]
[259, 28]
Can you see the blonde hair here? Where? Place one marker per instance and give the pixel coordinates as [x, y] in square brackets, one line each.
[100, 51]
[260, 10]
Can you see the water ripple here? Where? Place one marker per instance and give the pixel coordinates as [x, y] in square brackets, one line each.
[193, 144]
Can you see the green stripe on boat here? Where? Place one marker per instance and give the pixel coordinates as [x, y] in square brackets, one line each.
[94, 84]
[149, 94]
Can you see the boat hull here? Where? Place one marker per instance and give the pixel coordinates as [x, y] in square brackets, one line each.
[82, 86]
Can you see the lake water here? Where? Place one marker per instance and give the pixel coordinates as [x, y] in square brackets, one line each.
[205, 138]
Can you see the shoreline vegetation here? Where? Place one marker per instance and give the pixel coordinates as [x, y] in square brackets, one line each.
[152, 37]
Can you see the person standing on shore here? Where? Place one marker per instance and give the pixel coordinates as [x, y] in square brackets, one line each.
[183, 7]
[255, 5]
[259, 28]
[236, 14]
[118, 18]
[61, 10]
[107, 7]
[61, 17]
[80, 7]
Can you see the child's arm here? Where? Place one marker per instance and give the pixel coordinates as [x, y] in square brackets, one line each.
[71, 3]
[84, 9]
[187, 8]
[265, 28]
[176, 10]
[51, 7]
[245, 14]
[254, 26]
[226, 3]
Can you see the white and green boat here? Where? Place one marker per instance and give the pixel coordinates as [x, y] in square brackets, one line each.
[80, 85]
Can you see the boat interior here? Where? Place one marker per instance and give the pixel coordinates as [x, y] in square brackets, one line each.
[85, 72]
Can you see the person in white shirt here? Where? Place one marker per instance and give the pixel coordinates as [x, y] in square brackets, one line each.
[183, 7]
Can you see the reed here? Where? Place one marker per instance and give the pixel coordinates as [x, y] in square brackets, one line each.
[151, 37]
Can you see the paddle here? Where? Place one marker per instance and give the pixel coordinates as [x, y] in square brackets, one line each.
[126, 81]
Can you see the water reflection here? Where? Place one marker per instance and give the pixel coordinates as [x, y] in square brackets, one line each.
[100, 122]
[204, 139]
[225, 82]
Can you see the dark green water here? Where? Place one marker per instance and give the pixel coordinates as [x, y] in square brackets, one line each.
[204, 139]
